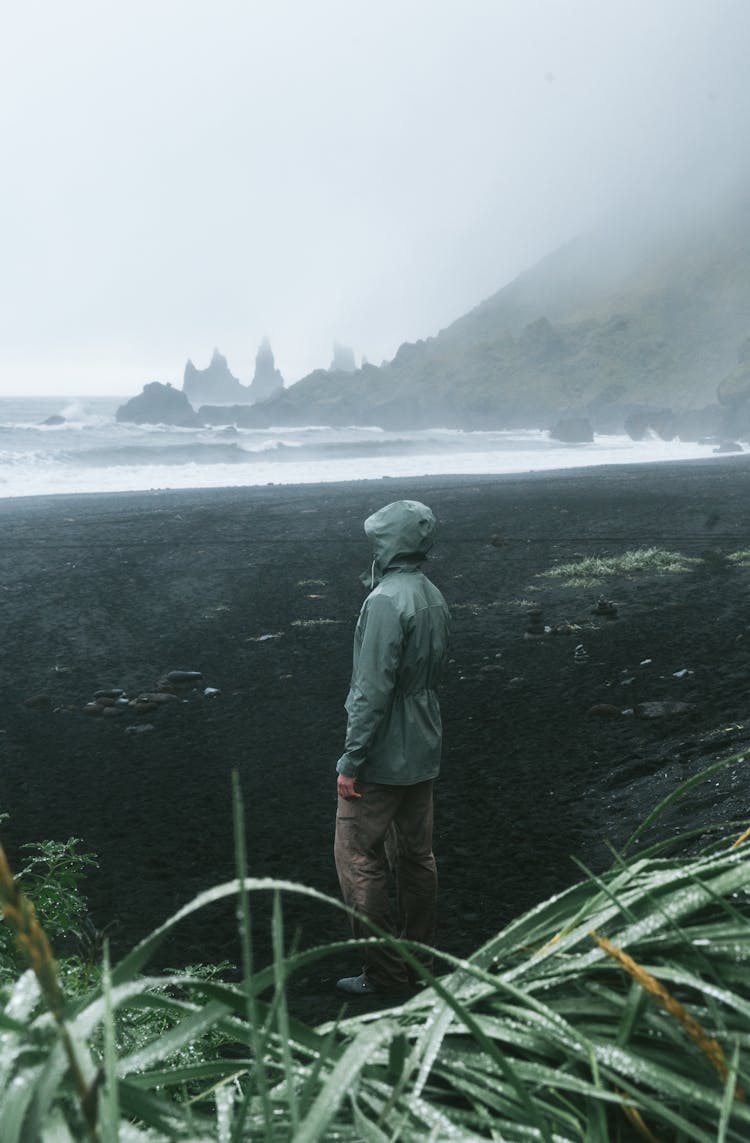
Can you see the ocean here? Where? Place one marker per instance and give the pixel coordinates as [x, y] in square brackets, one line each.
[87, 450]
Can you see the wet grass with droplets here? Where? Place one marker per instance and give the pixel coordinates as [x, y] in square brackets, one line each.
[619, 1009]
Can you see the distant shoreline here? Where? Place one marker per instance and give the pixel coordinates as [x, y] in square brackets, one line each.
[728, 462]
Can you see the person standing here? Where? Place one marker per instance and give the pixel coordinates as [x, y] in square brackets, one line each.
[393, 745]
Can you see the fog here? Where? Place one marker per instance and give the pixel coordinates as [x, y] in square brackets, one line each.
[182, 175]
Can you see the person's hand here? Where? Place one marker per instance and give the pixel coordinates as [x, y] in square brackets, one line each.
[346, 788]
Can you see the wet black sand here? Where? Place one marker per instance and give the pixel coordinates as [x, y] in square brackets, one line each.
[258, 589]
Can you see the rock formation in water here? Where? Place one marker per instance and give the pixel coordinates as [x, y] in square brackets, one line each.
[267, 380]
[215, 385]
[159, 405]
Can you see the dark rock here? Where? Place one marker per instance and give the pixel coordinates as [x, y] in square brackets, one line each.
[182, 677]
[143, 707]
[159, 405]
[267, 380]
[572, 430]
[728, 446]
[55, 419]
[606, 608]
[605, 710]
[215, 384]
[109, 692]
[38, 702]
[157, 697]
[535, 627]
[140, 728]
[565, 629]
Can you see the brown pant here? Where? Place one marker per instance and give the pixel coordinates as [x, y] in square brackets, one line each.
[389, 826]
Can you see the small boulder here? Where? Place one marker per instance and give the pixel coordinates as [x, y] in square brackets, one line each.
[604, 710]
[183, 677]
[157, 698]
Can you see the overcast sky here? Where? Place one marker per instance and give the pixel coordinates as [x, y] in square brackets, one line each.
[184, 174]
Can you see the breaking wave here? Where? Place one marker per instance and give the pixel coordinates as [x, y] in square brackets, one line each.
[47, 447]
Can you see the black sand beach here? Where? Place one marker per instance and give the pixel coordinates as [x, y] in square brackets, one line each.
[258, 590]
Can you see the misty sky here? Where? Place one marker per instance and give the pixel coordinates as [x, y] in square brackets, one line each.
[184, 174]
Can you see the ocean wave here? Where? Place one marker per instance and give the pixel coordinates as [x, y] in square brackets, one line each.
[280, 451]
[139, 450]
[149, 455]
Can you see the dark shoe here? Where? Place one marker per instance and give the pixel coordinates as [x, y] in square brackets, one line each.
[356, 985]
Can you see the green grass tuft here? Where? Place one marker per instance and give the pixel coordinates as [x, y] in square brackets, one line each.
[592, 569]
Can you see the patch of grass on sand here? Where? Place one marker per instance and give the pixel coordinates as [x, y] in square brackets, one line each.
[592, 569]
[314, 622]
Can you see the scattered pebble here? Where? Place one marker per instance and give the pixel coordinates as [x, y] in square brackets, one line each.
[113, 702]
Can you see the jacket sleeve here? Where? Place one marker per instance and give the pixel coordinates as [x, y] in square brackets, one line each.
[377, 656]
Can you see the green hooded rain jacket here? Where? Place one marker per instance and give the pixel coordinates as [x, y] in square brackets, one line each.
[394, 732]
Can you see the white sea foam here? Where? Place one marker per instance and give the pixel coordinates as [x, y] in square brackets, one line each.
[91, 452]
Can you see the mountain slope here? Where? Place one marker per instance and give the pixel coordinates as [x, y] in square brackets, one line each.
[650, 314]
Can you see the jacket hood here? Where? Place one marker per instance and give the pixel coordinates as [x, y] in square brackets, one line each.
[402, 533]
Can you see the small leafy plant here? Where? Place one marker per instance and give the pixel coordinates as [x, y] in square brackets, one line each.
[51, 878]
